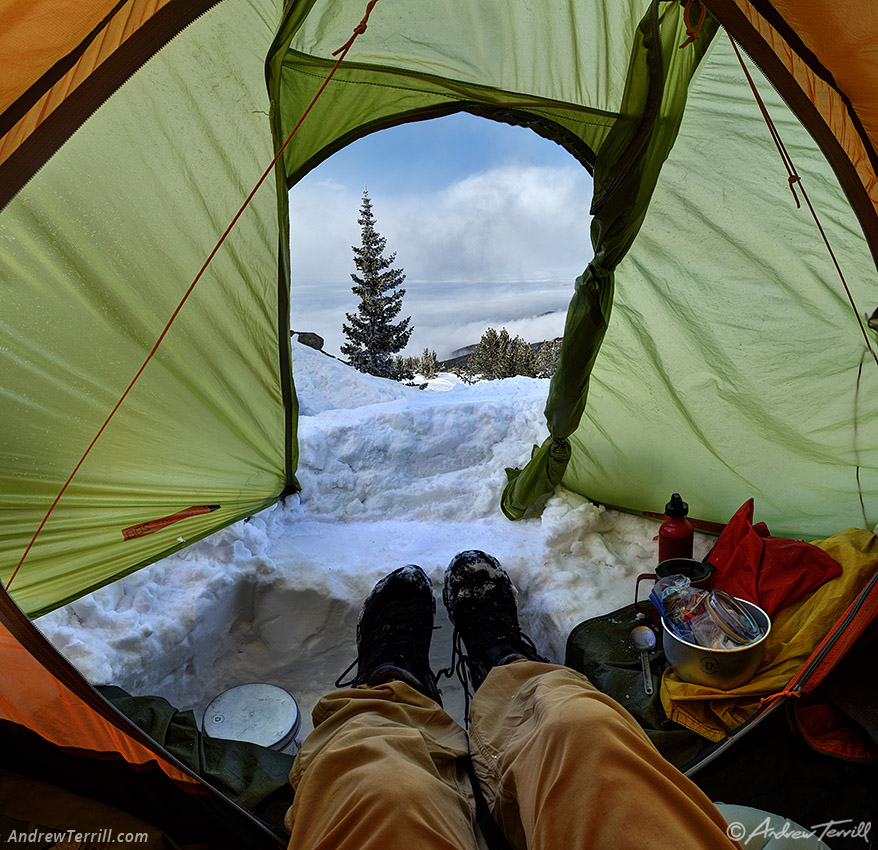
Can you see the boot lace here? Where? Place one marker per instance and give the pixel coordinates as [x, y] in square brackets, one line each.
[491, 630]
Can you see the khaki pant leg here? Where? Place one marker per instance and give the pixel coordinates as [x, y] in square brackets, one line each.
[564, 767]
[382, 769]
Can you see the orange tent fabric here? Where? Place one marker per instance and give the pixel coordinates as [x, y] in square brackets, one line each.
[51, 699]
[62, 60]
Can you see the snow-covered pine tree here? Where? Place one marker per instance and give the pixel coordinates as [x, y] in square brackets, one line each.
[373, 336]
[546, 363]
[500, 356]
[428, 364]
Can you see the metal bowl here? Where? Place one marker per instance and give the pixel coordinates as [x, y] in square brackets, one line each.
[723, 669]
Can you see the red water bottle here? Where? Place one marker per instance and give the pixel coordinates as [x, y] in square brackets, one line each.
[675, 535]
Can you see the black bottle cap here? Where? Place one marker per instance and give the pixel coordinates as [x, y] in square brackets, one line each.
[676, 507]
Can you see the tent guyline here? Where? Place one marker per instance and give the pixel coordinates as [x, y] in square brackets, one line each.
[342, 52]
[795, 178]
[792, 179]
[693, 31]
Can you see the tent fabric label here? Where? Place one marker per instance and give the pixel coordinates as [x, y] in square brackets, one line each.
[144, 528]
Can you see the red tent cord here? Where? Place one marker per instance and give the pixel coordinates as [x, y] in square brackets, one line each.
[692, 30]
[795, 178]
[341, 53]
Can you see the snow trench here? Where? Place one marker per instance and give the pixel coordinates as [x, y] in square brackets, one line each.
[391, 475]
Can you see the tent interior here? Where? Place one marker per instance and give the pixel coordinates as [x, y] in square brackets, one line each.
[711, 346]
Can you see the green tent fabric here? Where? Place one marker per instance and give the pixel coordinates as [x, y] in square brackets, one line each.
[625, 173]
[733, 367]
[95, 254]
[252, 776]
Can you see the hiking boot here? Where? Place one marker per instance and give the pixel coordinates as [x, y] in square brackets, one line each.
[394, 633]
[481, 605]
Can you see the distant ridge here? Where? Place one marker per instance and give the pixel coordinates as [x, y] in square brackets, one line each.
[460, 357]
[467, 349]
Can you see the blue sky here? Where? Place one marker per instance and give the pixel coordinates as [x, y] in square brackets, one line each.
[425, 156]
[489, 222]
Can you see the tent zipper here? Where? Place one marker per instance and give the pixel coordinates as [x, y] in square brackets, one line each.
[816, 660]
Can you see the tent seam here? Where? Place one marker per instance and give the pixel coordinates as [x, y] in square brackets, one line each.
[609, 117]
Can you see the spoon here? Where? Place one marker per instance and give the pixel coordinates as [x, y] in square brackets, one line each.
[642, 640]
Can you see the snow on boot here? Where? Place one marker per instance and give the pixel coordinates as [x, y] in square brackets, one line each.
[394, 633]
[481, 605]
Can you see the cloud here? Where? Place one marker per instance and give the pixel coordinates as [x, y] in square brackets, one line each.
[445, 316]
[323, 227]
[501, 247]
[509, 223]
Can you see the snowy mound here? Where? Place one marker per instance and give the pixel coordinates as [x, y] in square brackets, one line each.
[325, 383]
[391, 475]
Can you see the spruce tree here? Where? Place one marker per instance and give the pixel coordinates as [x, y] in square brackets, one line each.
[500, 356]
[428, 364]
[373, 336]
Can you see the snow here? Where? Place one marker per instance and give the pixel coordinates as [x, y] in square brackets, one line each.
[391, 475]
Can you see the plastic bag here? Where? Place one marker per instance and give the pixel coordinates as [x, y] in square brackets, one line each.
[712, 619]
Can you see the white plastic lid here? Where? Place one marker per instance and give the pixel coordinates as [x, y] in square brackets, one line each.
[259, 713]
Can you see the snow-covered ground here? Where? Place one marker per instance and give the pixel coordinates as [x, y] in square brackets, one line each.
[390, 475]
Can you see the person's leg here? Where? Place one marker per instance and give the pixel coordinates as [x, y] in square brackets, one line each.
[563, 765]
[383, 769]
[385, 765]
[560, 764]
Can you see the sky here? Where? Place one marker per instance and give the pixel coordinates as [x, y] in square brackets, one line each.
[489, 223]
